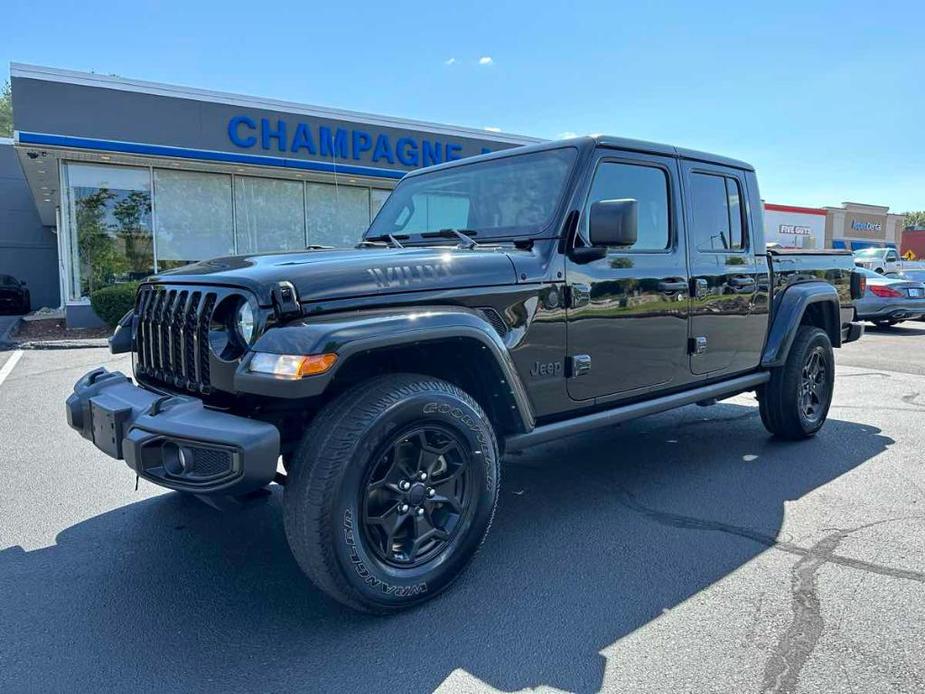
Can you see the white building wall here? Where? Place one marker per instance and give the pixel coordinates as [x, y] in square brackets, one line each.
[794, 229]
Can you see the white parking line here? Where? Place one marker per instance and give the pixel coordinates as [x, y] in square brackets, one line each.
[7, 368]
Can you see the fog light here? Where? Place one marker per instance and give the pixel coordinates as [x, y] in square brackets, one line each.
[176, 459]
[291, 365]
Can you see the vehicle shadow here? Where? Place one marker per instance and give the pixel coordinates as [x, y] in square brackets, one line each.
[906, 328]
[168, 594]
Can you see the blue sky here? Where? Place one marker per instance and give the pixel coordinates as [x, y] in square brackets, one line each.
[826, 99]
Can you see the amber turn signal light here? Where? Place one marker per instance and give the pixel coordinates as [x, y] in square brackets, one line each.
[291, 365]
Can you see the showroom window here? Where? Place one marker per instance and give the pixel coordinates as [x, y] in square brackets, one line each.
[126, 222]
[269, 214]
[193, 218]
[109, 210]
[377, 198]
[337, 215]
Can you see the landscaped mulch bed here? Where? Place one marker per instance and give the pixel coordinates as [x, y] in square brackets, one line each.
[54, 329]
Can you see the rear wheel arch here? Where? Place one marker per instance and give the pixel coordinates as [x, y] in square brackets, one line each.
[824, 315]
[814, 304]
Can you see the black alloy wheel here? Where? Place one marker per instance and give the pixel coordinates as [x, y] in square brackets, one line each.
[392, 491]
[795, 402]
[418, 493]
[814, 397]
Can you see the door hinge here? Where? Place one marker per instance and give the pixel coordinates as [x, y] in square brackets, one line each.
[577, 295]
[577, 365]
[696, 345]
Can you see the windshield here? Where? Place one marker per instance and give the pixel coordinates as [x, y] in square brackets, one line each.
[499, 198]
[7, 280]
[915, 275]
[870, 252]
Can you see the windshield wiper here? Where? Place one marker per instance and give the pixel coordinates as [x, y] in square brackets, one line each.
[464, 236]
[392, 241]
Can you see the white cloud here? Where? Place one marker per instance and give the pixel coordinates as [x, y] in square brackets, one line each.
[486, 60]
[492, 129]
[566, 135]
[450, 61]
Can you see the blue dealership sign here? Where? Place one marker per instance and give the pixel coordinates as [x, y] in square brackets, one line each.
[279, 135]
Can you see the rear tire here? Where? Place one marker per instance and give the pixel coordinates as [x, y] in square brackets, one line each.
[392, 492]
[794, 404]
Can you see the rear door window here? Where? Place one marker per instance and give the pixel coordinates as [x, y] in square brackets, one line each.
[718, 213]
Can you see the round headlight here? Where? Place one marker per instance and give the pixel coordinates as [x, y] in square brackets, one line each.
[244, 322]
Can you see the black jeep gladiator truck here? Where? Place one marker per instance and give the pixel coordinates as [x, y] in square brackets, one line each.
[494, 303]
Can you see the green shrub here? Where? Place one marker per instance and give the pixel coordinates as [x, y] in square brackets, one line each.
[113, 302]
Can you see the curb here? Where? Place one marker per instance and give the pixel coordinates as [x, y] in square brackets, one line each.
[61, 344]
[5, 339]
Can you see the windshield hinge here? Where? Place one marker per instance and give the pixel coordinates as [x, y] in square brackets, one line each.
[577, 295]
[286, 301]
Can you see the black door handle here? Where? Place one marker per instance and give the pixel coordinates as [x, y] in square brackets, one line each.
[672, 286]
[742, 282]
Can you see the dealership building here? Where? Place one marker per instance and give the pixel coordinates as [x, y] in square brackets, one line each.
[110, 180]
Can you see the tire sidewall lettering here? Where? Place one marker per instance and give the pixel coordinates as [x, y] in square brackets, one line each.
[369, 576]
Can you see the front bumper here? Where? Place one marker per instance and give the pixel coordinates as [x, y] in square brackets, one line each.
[173, 441]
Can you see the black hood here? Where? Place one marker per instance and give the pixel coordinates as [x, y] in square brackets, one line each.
[333, 274]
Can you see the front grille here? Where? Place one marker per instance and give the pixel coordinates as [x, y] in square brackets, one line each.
[172, 338]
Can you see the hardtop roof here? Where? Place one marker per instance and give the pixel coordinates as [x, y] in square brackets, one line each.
[589, 141]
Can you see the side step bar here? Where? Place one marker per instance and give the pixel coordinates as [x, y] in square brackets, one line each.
[715, 391]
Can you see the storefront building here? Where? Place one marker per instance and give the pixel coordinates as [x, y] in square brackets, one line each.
[855, 226]
[790, 226]
[852, 226]
[136, 178]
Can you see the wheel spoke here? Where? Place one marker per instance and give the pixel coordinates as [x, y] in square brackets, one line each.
[390, 521]
[446, 494]
[424, 532]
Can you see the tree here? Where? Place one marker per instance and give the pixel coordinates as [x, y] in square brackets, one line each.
[100, 259]
[132, 212]
[6, 111]
[914, 219]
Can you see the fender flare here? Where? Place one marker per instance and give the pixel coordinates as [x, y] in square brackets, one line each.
[360, 332]
[789, 308]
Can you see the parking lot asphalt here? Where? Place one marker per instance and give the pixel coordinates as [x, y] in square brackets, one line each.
[686, 552]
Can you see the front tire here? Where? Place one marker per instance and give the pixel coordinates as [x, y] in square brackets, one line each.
[392, 492]
[794, 404]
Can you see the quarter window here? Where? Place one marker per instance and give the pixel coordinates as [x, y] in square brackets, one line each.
[648, 186]
[717, 211]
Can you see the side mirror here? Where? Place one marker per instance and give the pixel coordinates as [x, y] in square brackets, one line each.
[613, 223]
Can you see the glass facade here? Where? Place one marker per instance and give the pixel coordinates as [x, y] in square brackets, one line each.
[194, 217]
[269, 214]
[110, 226]
[128, 222]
